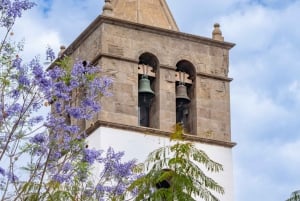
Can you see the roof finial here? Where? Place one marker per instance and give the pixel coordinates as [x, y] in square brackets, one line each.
[61, 52]
[217, 33]
[107, 8]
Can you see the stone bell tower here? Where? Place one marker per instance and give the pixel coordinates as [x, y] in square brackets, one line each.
[161, 77]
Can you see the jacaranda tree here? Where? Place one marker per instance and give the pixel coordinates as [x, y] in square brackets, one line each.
[45, 157]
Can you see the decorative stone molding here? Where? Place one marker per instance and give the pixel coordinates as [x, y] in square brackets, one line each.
[217, 33]
[152, 131]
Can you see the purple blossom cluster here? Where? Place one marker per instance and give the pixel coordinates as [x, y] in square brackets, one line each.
[17, 62]
[39, 138]
[50, 55]
[2, 171]
[39, 144]
[112, 181]
[28, 87]
[59, 150]
[35, 120]
[118, 174]
[13, 9]
[10, 176]
[61, 178]
[91, 155]
[20, 92]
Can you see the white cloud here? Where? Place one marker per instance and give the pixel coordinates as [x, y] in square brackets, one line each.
[295, 87]
[289, 152]
[264, 65]
[37, 40]
[266, 173]
[252, 28]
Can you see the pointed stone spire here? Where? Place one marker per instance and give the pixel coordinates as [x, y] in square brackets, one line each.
[149, 12]
[217, 33]
[107, 8]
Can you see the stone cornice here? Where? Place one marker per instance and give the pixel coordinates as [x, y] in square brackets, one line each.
[156, 132]
[226, 79]
[160, 31]
[111, 56]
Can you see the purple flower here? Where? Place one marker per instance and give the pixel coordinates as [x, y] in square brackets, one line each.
[17, 63]
[75, 112]
[56, 155]
[2, 171]
[35, 120]
[39, 138]
[23, 80]
[72, 129]
[58, 107]
[60, 178]
[12, 177]
[100, 188]
[123, 170]
[15, 93]
[78, 69]
[37, 69]
[120, 189]
[112, 155]
[91, 104]
[67, 167]
[14, 109]
[102, 85]
[50, 55]
[11, 10]
[16, 8]
[61, 91]
[56, 73]
[4, 4]
[36, 105]
[74, 83]
[67, 139]
[90, 155]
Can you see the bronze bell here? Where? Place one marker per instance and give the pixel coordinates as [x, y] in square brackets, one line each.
[181, 94]
[145, 91]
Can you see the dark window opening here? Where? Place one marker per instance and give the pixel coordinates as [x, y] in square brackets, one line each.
[146, 90]
[185, 102]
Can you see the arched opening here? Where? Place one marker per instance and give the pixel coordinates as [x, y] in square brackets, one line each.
[148, 85]
[185, 96]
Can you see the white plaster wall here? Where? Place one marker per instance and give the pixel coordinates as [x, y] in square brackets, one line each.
[138, 145]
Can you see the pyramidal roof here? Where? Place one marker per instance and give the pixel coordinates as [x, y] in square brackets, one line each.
[149, 12]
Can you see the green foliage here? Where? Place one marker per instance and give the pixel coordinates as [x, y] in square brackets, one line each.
[295, 196]
[179, 166]
[66, 64]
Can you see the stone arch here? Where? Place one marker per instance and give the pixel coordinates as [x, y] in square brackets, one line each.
[186, 114]
[148, 113]
[150, 59]
[187, 58]
[150, 51]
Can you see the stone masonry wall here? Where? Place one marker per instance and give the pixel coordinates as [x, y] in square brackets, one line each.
[121, 47]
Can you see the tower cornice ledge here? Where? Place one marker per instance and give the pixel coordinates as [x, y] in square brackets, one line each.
[151, 29]
[111, 56]
[156, 132]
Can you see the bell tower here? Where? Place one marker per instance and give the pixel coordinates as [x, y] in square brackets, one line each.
[161, 77]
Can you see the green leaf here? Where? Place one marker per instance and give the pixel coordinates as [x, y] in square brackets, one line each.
[179, 164]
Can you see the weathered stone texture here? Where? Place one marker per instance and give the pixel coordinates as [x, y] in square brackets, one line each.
[166, 101]
[150, 12]
[118, 48]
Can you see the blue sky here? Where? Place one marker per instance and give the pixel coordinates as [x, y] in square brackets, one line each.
[265, 65]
